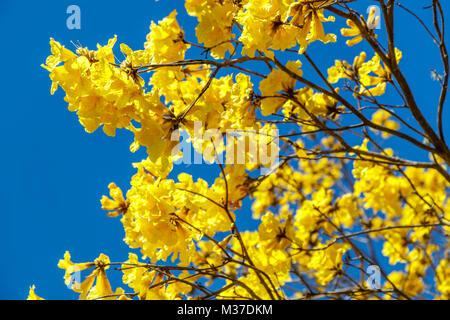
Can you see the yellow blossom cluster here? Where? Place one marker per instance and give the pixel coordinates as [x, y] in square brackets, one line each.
[370, 76]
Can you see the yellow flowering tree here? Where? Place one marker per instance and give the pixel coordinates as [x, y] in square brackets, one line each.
[340, 194]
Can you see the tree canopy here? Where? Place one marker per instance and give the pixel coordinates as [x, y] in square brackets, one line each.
[313, 151]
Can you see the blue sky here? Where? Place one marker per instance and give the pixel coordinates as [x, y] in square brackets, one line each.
[53, 174]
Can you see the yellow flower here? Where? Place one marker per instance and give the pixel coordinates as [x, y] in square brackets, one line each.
[215, 22]
[165, 42]
[395, 248]
[370, 77]
[410, 284]
[32, 295]
[354, 31]
[278, 81]
[275, 235]
[308, 18]
[117, 205]
[443, 278]
[59, 54]
[98, 275]
[328, 262]
[71, 267]
[382, 118]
